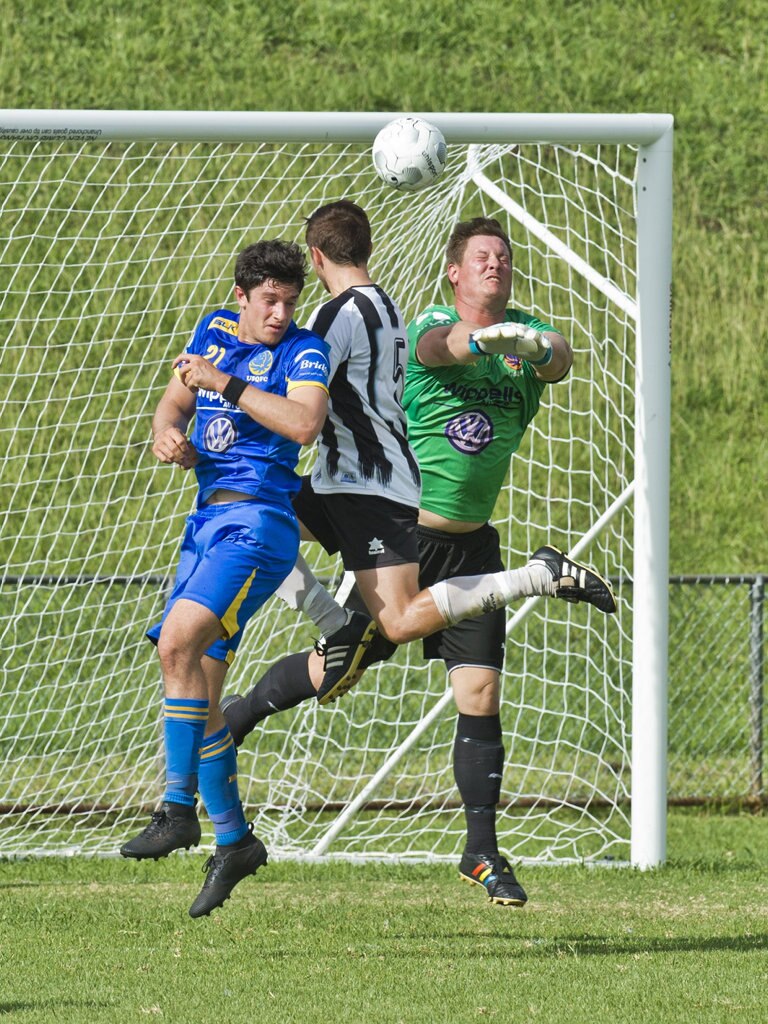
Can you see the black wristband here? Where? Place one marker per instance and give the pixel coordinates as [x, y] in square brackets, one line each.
[234, 389]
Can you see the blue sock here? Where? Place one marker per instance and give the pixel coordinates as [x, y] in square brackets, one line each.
[185, 721]
[218, 787]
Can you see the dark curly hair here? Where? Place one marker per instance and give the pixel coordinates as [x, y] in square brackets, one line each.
[273, 259]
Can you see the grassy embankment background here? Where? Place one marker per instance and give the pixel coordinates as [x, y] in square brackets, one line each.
[703, 62]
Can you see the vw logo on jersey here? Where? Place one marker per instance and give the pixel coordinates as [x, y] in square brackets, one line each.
[261, 363]
[470, 432]
[220, 433]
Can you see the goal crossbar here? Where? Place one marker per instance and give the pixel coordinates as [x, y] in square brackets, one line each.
[323, 126]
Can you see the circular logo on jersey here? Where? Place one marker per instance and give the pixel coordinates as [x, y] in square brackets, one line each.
[220, 433]
[260, 363]
[470, 432]
[515, 364]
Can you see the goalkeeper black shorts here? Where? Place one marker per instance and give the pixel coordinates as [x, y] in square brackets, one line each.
[478, 642]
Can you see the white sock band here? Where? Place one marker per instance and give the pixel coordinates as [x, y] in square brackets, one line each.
[300, 590]
[297, 585]
[321, 608]
[464, 597]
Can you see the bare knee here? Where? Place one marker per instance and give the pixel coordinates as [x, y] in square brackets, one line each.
[187, 633]
[398, 629]
[177, 653]
[410, 620]
[170, 652]
[476, 690]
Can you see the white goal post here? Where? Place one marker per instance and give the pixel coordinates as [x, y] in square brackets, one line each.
[118, 230]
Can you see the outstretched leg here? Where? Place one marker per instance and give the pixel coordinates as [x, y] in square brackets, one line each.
[284, 685]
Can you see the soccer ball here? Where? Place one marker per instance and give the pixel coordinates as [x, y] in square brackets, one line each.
[409, 154]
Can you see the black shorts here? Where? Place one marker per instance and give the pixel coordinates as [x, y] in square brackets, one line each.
[479, 641]
[370, 531]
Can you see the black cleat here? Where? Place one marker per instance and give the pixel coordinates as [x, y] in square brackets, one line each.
[575, 582]
[173, 827]
[343, 651]
[230, 704]
[379, 649]
[495, 875]
[227, 866]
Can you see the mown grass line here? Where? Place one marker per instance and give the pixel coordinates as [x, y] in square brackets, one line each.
[106, 940]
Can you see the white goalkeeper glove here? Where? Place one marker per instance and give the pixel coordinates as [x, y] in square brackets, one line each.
[511, 339]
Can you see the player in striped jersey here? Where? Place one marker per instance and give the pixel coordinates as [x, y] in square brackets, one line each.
[467, 411]
[257, 387]
[362, 497]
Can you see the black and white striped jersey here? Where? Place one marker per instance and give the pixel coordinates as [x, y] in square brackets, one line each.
[363, 447]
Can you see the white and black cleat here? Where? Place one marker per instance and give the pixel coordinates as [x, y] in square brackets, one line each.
[574, 581]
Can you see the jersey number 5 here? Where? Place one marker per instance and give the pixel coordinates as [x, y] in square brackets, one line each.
[398, 372]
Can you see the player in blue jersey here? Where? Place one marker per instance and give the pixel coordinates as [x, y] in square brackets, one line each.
[257, 387]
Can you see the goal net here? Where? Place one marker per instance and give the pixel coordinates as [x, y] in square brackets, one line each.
[112, 248]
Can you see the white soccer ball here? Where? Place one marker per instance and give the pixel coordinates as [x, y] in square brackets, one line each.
[409, 154]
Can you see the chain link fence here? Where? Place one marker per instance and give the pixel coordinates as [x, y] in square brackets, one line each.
[716, 686]
[716, 689]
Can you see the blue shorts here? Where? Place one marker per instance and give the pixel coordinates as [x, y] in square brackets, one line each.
[233, 558]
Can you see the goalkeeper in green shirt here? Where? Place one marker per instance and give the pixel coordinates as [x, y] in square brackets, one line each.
[476, 371]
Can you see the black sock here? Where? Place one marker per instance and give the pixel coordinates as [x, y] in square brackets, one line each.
[478, 765]
[284, 685]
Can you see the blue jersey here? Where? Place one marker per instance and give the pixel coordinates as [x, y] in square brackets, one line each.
[235, 452]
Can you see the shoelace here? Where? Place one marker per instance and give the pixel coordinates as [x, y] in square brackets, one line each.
[157, 818]
[501, 866]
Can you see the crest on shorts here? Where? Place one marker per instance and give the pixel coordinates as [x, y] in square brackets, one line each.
[470, 432]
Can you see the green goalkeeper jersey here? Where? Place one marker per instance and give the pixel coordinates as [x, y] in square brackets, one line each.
[465, 421]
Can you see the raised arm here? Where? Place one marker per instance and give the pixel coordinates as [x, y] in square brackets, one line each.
[464, 342]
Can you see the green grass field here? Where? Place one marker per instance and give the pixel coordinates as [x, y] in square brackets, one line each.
[102, 941]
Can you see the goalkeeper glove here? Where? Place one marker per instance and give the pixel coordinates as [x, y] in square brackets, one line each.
[512, 339]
